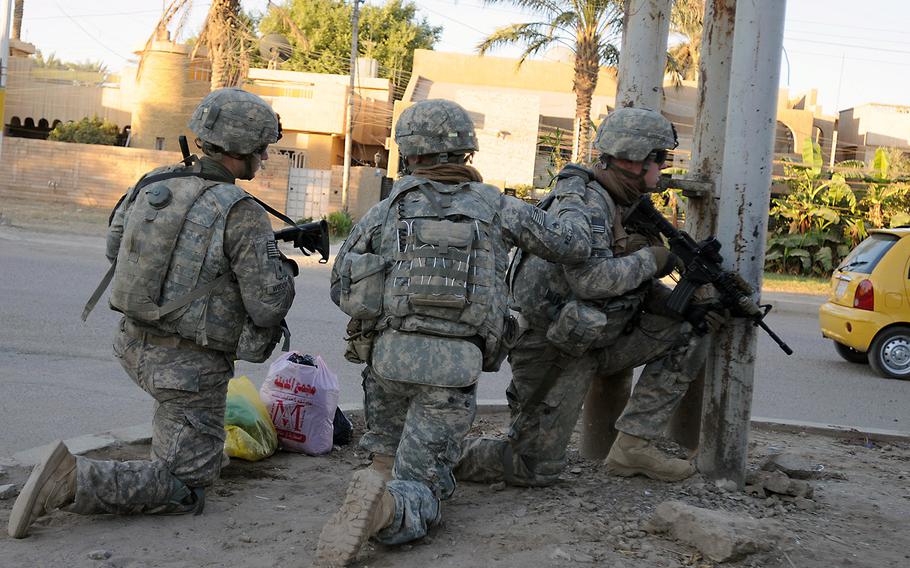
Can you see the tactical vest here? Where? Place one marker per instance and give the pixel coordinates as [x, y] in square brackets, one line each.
[172, 248]
[444, 276]
[539, 290]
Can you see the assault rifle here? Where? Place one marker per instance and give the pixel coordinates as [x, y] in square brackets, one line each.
[702, 266]
[308, 237]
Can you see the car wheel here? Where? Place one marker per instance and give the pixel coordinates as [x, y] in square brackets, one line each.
[889, 354]
[851, 354]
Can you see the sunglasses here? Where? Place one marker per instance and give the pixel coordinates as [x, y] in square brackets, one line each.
[659, 156]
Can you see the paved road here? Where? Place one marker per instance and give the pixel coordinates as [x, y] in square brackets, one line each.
[59, 380]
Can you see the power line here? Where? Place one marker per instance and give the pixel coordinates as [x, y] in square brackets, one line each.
[89, 34]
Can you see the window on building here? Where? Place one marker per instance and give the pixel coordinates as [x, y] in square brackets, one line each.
[159, 143]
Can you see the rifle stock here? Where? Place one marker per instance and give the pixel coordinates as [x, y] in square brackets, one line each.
[308, 237]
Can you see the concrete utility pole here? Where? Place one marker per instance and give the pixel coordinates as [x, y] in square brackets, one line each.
[643, 56]
[742, 223]
[349, 121]
[640, 84]
[705, 166]
[5, 11]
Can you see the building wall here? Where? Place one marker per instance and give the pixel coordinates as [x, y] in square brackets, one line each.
[96, 176]
[869, 126]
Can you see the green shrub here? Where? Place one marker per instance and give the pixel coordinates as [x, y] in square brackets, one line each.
[86, 131]
[340, 223]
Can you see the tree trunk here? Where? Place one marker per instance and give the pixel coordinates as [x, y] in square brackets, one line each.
[17, 19]
[226, 43]
[587, 65]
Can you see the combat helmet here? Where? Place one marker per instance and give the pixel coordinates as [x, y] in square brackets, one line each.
[236, 121]
[633, 133]
[435, 126]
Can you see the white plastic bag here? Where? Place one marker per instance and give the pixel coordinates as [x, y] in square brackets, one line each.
[301, 400]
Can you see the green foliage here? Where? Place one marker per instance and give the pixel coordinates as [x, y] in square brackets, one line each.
[524, 191]
[822, 218]
[320, 33]
[812, 157]
[557, 151]
[86, 131]
[340, 223]
[51, 62]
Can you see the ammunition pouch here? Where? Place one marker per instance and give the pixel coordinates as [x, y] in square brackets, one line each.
[576, 327]
[360, 340]
[426, 359]
[362, 285]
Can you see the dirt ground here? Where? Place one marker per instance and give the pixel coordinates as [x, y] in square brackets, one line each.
[270, 513]
[54, 218]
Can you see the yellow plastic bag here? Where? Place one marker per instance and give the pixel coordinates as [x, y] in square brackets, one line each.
[251, 435]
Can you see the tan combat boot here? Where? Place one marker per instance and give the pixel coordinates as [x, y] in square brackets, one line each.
[367, 509]
[383, 464]
[51, 485]
[631, 455]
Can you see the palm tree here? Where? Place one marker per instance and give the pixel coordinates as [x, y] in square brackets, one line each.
[590, 28]
[17, 19]
[227, 36]
[687, 18]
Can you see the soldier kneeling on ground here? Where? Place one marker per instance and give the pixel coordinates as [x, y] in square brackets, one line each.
[580, 322]
[422, 277]
[200, 281]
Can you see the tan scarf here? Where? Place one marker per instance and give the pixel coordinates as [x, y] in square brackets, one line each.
[623, 187]
[448, 173]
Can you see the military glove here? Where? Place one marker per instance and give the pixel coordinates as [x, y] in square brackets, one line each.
[666, 261]
[706, 294]
[715, 320]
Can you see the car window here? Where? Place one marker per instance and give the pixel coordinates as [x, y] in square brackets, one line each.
[868, 253]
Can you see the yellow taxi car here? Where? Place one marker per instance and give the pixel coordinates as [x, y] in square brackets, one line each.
[868, 313]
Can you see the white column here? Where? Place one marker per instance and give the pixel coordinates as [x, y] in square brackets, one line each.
[741, 226]
[5, 22]
[643, 56]
[705, 165]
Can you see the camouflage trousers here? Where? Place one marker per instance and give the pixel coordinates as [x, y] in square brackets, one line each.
[535, 453]
[189, 387]
[423, 427]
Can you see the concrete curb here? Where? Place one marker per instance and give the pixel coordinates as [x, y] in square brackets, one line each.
[143, 432]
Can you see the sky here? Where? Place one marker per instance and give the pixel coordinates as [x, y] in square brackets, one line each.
[851, 52]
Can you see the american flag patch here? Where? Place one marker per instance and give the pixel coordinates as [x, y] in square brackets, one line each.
[598, 225]
[537, 215]
[271, 249]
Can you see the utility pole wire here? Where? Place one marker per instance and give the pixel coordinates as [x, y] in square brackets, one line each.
[349, 130]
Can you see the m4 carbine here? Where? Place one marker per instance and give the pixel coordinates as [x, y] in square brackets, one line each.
[702, 266]
[308, 237]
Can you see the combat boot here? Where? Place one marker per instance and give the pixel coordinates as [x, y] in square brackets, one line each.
[51, 485]
[383, 464]
[367, 509]
[631, 455]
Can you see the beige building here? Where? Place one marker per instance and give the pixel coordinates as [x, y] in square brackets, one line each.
[864, 128]
[151, 103]
[517, 110]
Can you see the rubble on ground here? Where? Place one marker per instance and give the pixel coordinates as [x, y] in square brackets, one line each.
[269, 513]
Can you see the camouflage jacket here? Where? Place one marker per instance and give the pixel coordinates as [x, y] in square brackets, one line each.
[224, 231]
[539, 287]
[560, 236]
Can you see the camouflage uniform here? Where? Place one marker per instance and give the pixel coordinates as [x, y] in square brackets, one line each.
[184, 359]
[617, 282]
[420, 413]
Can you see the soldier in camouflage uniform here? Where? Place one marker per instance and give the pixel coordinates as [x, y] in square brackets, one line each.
[595, 319]
[422, 276]
[200, 280]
